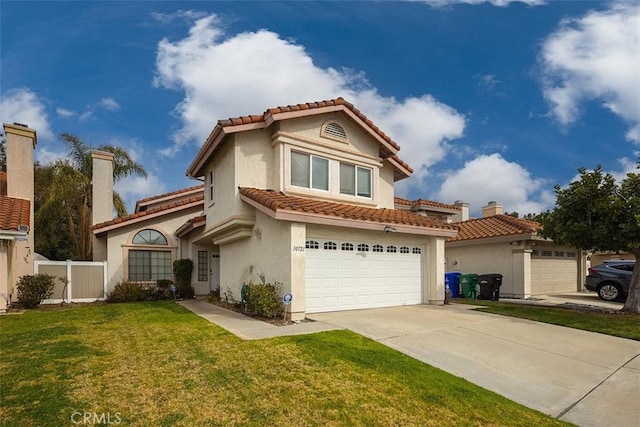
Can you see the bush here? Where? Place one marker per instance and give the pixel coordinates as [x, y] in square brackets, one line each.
[127, 292]
[182, 269]
[263, 300]
[33, 289]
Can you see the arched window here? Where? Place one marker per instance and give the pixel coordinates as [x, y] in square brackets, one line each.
[150, 264]
[311, 244]
[347, 246]
[330, 246]
[149, 237]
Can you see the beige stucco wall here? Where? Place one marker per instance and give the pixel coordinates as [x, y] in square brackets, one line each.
[6, 276]
[500, 258]
[267, 252]
[21, 141]
[120, 239]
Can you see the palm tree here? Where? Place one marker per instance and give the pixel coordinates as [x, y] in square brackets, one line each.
[70, 190]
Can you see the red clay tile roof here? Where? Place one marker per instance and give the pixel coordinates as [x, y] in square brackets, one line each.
[494, 226]
[166, 207]
[259, 118]
[423, 202]
[14, 212]
[3, 183]
[173, 193]
[233, 121]
[275, 200]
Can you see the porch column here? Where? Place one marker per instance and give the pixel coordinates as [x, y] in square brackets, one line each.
[433, 272]
[521, 272]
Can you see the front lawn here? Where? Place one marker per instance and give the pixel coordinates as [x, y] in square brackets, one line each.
[156, 363]
[618, 324]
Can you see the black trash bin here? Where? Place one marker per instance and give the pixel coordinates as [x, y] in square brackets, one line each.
[490, 286]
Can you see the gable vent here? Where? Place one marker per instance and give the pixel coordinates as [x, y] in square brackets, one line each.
[334, 130]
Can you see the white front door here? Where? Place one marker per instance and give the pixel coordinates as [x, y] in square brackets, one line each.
[346, 275]
[214, 272]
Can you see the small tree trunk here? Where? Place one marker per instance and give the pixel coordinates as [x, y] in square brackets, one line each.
[633, 298]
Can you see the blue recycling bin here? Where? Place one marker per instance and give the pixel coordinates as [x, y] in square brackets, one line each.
[453, 280]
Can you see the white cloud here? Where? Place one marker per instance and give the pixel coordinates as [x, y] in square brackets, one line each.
[134, 188]
[595, 57]
[109, 104]
[24, 106]
[225, 76]
[500, 3]
[165, 18]
[64, 113]
[85, 115]
[491, 177]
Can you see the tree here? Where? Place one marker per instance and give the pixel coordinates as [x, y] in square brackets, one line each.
[3, 154]
[70, 192]
[597, 213]
[52, 237]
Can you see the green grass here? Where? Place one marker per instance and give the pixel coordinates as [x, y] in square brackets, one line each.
[618, 324]
[158, 364]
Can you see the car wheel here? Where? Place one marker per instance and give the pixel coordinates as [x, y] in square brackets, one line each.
[609, 291]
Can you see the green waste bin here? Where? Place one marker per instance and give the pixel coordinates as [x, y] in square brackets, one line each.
[469, 286]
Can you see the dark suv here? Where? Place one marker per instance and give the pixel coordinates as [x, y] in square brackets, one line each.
[610, 279]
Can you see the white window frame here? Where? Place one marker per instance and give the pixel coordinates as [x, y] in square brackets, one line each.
[311, 157]
[355, 174]
[212, 195]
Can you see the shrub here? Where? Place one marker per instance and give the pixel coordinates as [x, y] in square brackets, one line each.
[163, 283]
[182, 269]
[33, 289]
[127, 292]
[263, 300]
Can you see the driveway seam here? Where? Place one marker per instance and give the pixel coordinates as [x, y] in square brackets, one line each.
[573, 405]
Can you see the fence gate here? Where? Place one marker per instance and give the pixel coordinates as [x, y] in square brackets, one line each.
[75, 281]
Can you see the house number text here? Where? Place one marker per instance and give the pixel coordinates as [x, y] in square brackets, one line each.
[298, 249]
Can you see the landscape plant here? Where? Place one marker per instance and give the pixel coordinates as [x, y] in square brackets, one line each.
[182, 271]
[34, 288]
[597, 213]
[263, 300]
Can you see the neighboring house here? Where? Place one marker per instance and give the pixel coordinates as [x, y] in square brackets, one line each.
[302, 195]
[530, 264]
[16, 211]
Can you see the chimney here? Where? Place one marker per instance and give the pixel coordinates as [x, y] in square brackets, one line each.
[21, 142]
[463, 215]
[101, 198]
[492, 208]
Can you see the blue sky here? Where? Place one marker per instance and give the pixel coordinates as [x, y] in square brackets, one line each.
[489, 100]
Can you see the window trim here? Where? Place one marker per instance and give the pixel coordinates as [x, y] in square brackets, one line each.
[356, 193]
[311, 158]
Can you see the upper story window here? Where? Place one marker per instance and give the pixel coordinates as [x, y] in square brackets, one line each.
[210, 187]
[309, 171]
[334, 131]
[355, 180]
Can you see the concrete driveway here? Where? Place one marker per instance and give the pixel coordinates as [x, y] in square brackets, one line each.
[582, 377]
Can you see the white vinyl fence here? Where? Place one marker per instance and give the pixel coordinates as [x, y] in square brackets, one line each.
[75, 281]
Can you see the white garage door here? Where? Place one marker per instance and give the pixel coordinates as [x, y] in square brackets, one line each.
[343, 275]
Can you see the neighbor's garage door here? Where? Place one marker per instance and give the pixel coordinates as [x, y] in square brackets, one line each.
[346, 275]
[553, 270]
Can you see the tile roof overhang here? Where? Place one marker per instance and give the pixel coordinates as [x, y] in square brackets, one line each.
[190, 225]
[388, 147]
[169, 208]
[142, 203]
[14, 213]
[494, 228]
[424, 204]
[279, 206]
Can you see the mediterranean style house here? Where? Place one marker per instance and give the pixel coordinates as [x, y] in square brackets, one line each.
[302, 195]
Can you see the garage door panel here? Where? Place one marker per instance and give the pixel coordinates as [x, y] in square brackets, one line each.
[365, 279]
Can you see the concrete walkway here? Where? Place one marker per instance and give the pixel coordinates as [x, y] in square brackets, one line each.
[247, 328]
[585, 378]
